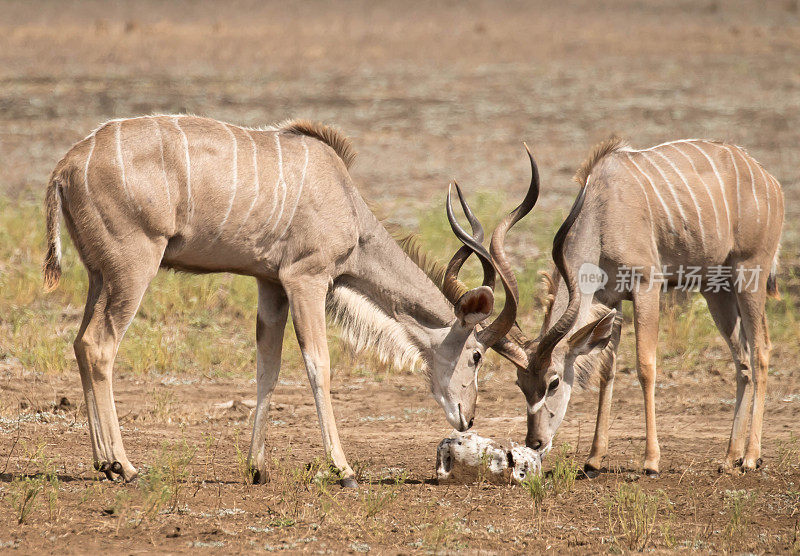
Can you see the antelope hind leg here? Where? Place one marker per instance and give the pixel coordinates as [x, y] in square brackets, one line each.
[751, 306]
[118, 295]
[723, 308]
[95, 351]
[270, 325]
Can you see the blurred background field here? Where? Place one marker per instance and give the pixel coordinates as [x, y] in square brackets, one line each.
[428, 92]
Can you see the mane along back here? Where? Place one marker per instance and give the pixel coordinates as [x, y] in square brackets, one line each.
[430, 265]
[328, 135]
[551, 290]
[598, 153]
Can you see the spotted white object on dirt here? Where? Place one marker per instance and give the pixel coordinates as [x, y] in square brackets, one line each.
[465, 456]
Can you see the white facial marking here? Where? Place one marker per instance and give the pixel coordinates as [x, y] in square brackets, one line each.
[532, 409]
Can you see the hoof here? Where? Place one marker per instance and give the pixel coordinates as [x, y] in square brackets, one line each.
[652, 473]
[348, 482]
[259, 478]
[115, 470]
[105, 468]
[731, 467]
[752, 466]
[590, 471]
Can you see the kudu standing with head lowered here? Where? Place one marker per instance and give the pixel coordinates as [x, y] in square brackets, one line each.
[277, 204]
[692, 213]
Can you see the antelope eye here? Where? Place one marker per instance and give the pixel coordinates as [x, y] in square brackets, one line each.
[476, 357]
[554, 383]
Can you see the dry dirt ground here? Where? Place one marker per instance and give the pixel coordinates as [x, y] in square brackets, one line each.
[427, 92]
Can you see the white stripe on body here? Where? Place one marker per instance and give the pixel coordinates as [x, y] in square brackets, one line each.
[185, 141]
[661, 200]
[235, 179]
[669, 186]
[719, 180]
[738, 191]
[256, 180]
[281, 182]
[163, 164]
[705, 185]
[86, 168]
[766, 188]
[691, 194]
[300, 189]
[120, 162]
[275, 187]
[745, 157]
[667, 143]
[653, 245]
[93, 137]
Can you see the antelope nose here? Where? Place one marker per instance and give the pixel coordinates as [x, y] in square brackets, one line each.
[465, 425]
[534, 444]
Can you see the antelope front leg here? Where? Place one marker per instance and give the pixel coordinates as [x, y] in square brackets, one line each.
[600, 442]
[273, 308]
[751, 305]
[645, 305]
[307, 302]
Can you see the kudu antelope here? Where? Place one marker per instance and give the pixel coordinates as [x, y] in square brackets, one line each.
[643, 217]
[278, 204]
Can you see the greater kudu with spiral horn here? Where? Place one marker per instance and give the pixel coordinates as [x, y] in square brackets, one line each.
[689, 214]
[277, 204]
[503, 335]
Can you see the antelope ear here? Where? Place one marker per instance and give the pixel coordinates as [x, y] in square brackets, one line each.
[594, 335]
[512, 351]
[475, 305]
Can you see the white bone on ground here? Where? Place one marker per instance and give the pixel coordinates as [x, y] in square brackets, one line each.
[464, 455]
